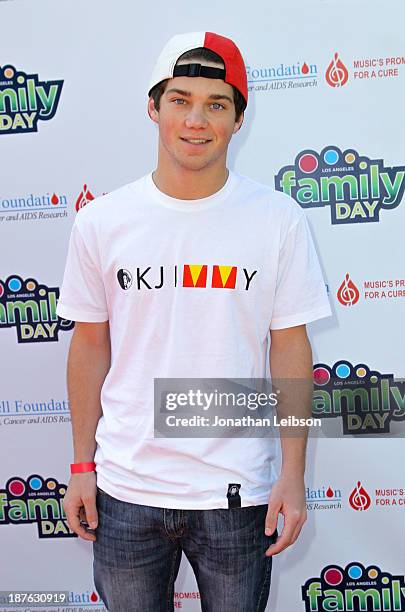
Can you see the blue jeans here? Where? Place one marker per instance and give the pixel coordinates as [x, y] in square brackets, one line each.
[138, 550]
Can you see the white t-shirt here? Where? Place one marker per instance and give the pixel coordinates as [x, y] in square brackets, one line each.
[190, 289]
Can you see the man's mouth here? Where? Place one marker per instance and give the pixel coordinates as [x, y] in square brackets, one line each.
[196, 141]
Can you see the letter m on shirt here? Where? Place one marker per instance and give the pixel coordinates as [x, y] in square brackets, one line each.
[194, 276]
[224, 277]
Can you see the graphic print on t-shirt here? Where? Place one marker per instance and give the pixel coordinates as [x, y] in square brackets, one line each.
[193, 275]
[124, 278]
[224, 277]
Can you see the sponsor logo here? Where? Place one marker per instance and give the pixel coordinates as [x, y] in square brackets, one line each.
[366, 400]
[383, 498]
[85, 597]
[337, 74]
[35, 500]
[377, 67]
[180, 596]
[25, 100]
[31, 207]
[276, 77]
[18, 412]
[348, 294]
[323, 498]
[387, 288]
[359, 499]
[31, 308]
[355, 588]
[355, 187]
[390, 497]
[188, 275]
[363, 69]
[84, 197]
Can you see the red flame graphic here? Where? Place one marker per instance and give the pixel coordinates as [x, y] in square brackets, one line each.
[304, 68]
[359, 498]
[329, 492]
[348, 294]
[337, 73]
[84, 198]
[94, 597]
[54, 199]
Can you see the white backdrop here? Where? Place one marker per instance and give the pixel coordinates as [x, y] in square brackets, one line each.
[97, 134]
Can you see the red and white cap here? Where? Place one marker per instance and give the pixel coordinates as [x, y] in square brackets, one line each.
[234, 73]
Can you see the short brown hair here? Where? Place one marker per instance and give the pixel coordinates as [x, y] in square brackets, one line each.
[197, 54]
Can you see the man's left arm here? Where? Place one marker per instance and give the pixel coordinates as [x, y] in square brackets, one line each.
[290, 358]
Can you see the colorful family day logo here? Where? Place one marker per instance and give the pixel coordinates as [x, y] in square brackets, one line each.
[31, 308]
[366, 400]
[337, 74]
[355, 187]
[359, 498]
[35, 500]
[25, 100]
[354, 589]
[348, 294]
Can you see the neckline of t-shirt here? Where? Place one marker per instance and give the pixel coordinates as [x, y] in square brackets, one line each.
[191, 205]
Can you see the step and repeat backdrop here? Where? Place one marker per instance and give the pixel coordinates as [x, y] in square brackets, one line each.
[325, 125]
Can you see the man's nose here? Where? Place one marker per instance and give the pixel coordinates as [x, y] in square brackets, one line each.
[196, 118]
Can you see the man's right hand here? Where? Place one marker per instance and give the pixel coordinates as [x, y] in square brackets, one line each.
[80, 504]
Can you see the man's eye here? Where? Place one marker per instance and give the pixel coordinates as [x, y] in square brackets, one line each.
[217, 105]
[178, 100]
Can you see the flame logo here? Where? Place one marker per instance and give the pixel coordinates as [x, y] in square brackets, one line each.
[337, 73]
[359, 498]
[84, 198]
[348, 294]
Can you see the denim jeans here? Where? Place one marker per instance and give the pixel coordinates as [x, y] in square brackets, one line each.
[138, 550]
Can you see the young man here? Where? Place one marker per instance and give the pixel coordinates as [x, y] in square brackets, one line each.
[191, 271]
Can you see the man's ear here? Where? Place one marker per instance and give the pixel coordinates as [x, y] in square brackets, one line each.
[152, 112]
[238, 123]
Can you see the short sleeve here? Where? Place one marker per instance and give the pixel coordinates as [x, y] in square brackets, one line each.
[300, 295]
[82, 295]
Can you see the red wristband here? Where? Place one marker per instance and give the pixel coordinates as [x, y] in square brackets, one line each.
[77, 468]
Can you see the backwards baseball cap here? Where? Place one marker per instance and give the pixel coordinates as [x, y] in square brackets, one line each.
[234, 72]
